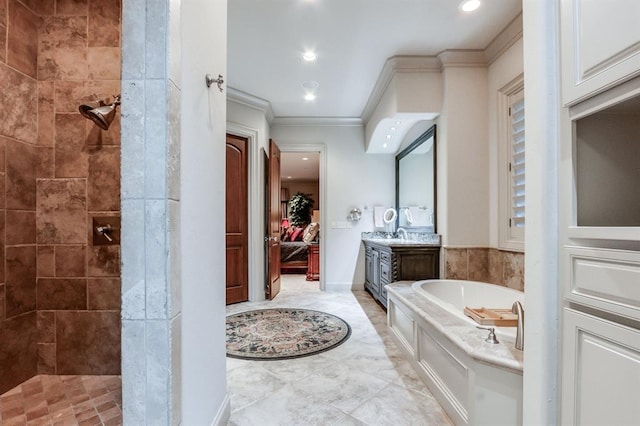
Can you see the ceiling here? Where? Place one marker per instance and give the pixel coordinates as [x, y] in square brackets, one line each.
[294, 167]
[352, 40]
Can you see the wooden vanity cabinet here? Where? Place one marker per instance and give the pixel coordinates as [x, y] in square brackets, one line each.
[387, 263]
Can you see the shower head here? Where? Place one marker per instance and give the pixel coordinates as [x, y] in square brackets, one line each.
[103, 114]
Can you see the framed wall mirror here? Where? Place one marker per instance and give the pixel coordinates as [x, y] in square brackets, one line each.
[416, 184]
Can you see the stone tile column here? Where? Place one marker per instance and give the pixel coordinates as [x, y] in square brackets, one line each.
[151, 309]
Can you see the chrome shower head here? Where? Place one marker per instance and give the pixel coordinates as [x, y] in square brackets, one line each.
[102, 114]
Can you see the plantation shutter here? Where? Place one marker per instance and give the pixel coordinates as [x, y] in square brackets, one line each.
[517, 160]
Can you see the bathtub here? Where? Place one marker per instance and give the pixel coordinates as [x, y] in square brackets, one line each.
[474, 381]
[455, 295]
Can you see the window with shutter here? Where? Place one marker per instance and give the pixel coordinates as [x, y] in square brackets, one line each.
[512, 175]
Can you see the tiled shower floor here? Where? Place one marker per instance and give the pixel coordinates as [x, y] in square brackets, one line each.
[63, 400]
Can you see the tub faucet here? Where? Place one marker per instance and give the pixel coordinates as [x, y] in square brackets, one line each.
[519, 311]
[403, 232]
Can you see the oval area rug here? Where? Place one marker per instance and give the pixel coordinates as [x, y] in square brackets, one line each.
[283, 333]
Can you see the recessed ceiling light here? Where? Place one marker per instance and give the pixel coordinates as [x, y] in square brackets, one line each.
[389, 136]
[398, 123]
[305, 158]
[309, 56]
[384, 145]
[288, 177]
[309, 97]
[469, 5]
[393, 129]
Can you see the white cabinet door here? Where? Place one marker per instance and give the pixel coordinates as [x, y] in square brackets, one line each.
[600, 371]
[600, 43]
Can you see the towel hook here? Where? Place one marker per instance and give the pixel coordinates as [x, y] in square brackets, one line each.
[210, 80]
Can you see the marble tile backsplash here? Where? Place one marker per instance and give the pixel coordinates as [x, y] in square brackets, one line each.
[490, 265]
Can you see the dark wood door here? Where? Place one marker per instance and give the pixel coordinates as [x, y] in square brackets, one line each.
[273, 228]
[237, 241]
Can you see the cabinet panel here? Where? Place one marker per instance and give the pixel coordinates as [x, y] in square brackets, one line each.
[601, 371]
[605, 279]
[600, 45]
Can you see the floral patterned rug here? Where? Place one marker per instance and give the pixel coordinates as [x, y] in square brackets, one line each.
[272, 334]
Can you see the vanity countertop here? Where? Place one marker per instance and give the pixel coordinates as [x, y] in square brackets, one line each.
[420, 240]
[398, 242]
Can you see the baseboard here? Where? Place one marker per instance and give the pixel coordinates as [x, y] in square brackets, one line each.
[224, 413]
[344, 287]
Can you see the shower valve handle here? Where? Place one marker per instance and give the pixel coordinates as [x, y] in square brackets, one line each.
[105, 230]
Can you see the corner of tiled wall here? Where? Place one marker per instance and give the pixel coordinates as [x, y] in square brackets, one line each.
[490, 265]
[151, 308]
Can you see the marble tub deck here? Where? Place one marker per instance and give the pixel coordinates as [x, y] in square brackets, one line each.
[467, 337]
[365, 381]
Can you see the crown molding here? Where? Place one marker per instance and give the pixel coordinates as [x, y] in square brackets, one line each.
[317, 121]
[503, 41]
[462, 58]
[243, 98]
[393, 65]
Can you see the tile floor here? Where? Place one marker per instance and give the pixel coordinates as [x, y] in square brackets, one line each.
[365, 381]
[63, 400]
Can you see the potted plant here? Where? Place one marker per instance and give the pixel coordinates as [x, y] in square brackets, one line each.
[300, 206]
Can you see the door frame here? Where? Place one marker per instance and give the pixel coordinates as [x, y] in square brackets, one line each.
[322, 180]
[256, 231]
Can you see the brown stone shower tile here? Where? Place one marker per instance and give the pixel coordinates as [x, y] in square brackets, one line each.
[31, 4]
[46, 166]
[104, 63]
[104, 23]
[46, 326]
[478, 264]
[46, 7]
[69, 95]
[18, 105]
[18, 358]
[62, 293]
[62, 212]
[2, 245]
[21, 175]
[104, 293]
[88, 342]
[46, 261]
[71, 155]
[104, 261]
[514, 270]
[3, 13]
[1, 299]
[22, 43]
[62, 32]
[70, 261]
[72, 7]
[63, 63]
[3, 41]
[46, 358]
[456, 264]
[20, 280]
[45, 113]
[2, 193]
[22, 229]
[496, 267]
[103, 182]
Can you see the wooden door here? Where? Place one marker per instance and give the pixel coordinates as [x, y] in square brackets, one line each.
[273, 228]
[237, 241]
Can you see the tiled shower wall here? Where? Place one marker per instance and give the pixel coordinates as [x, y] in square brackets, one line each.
[62, 294]
[489, 265]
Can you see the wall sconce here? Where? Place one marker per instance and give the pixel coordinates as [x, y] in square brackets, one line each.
[354, 215]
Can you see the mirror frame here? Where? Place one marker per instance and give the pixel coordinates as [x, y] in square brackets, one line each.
[431, 132]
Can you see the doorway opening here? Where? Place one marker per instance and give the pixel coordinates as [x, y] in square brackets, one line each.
[300, 206]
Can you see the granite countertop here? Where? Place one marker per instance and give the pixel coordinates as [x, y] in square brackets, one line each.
[461, 333]
[415, 240]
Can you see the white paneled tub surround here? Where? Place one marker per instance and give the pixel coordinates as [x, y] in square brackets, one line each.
[474, 381]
